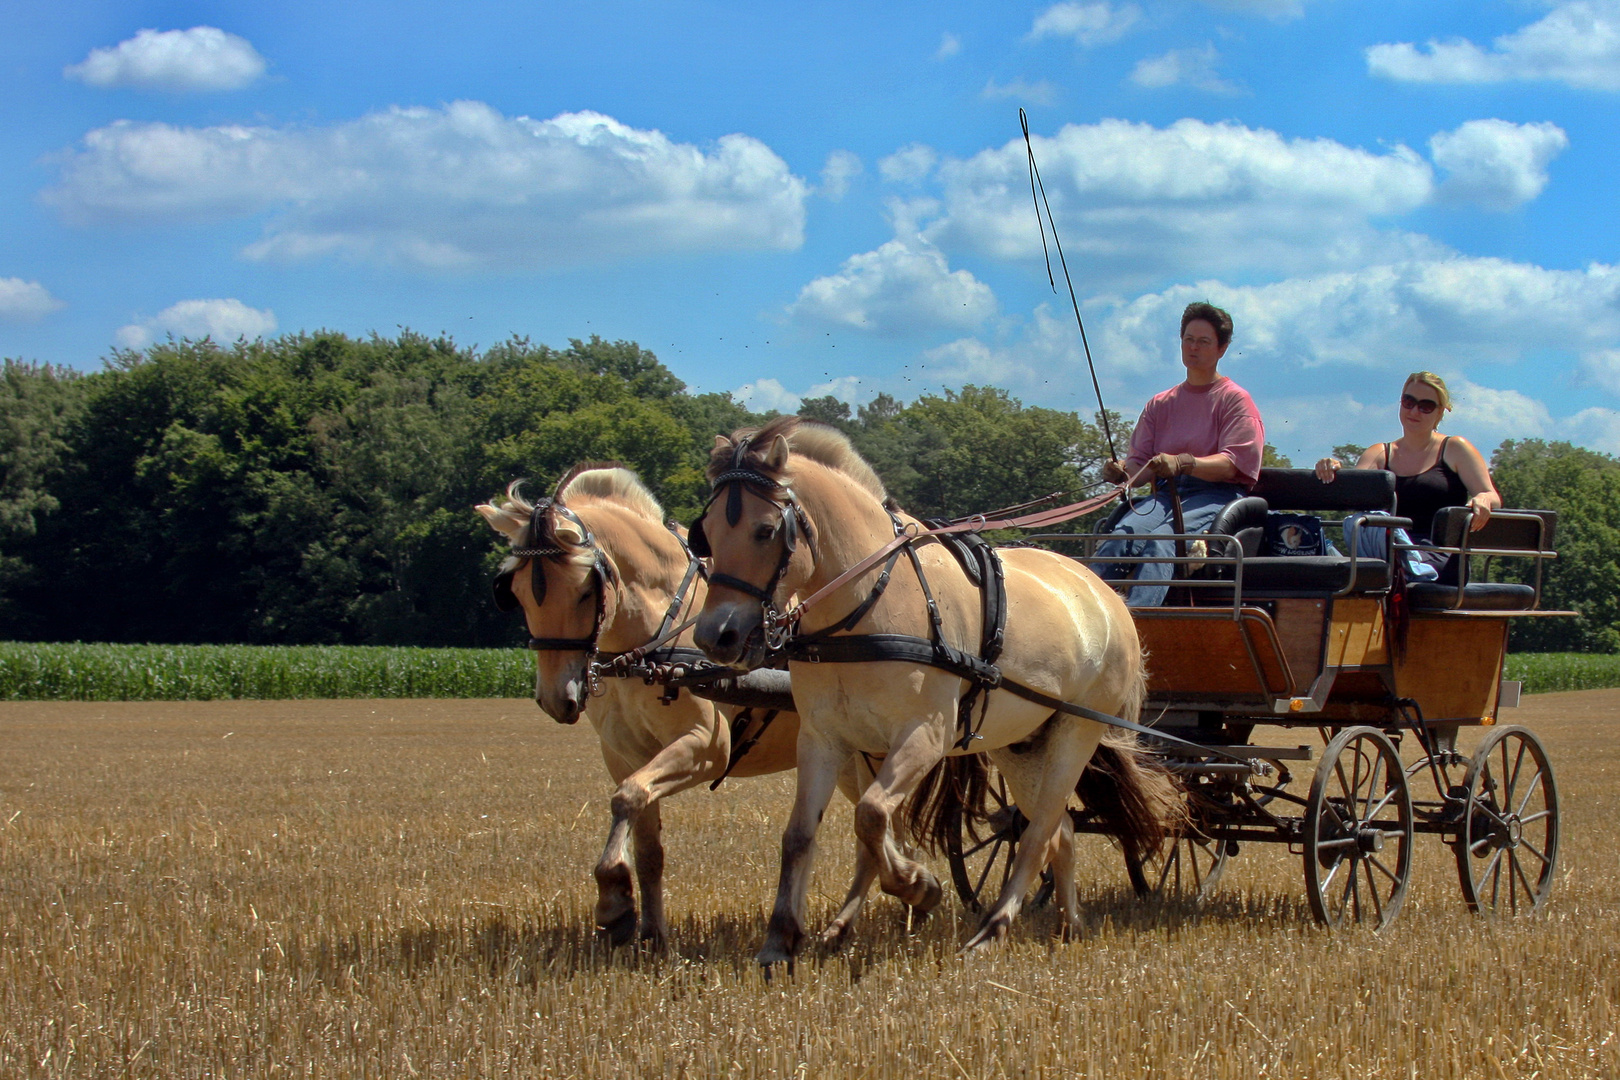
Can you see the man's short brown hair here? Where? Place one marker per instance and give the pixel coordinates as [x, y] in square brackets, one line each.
[1220, 320]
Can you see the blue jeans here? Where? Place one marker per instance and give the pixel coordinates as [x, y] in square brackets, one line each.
[1372, 542]
[1201, 500]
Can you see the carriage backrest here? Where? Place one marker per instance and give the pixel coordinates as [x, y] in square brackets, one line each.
[1352, 489]
[1513, 530]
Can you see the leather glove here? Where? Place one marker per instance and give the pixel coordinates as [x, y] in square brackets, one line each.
[1170, 465]
[1113, 472]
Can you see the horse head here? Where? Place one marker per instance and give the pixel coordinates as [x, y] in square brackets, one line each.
[566, 586]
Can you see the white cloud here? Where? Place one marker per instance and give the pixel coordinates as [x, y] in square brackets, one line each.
[1036, 93]
[1577, 43]
[26, 301]
[841, 168]
[1595, 428]
[1271, 9]
[457, 186]
[200, 59]
[1097, 23]
[949, 46]
[905, 286]
[222, 320]
[1494, 163]
[1135, 203]
[1184, 67]
[763, 395]
[909, 164]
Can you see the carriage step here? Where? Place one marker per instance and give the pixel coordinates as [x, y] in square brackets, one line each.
[1268, 753]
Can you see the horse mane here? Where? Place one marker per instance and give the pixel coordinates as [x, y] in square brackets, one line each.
[812, 439]
[610, 480]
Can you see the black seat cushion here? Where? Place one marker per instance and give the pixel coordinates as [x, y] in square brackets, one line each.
[1431, 596]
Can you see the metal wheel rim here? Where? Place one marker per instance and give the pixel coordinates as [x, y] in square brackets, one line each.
[1360, 789]
[1507, 847]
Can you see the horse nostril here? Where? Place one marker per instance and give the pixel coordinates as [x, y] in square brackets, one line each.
[726, 641]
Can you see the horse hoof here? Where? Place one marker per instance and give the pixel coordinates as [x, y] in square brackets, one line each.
[833, 938]
[619, 931]
[989, 934]
[652, 939]
[932, 895]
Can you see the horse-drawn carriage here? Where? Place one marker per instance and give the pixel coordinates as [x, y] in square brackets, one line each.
[1253, 642]
[1021, 653]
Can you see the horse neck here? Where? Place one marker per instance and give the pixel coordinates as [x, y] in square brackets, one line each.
[850, 524]
[650, 562]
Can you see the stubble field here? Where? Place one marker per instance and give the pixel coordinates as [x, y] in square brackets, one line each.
[402, 888]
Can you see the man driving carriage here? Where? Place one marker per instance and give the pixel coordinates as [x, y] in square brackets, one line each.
[1204, 436]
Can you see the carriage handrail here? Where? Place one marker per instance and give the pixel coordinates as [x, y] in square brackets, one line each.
[1540, 553]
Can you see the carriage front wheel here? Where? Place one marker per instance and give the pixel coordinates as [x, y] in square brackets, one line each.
[1358, 831]
[1507, 845]
[980, 844]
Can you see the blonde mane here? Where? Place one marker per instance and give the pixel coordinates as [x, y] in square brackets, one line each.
[821, 443]
[614, 482]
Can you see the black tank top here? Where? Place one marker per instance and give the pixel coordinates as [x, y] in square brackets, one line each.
[1420, 497]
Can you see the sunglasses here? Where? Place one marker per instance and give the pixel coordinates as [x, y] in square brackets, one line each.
[1422, 405]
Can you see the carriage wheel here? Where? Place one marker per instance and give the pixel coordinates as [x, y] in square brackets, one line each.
[1358, 831]
[980, 845]
[1507, 847]
[1187, 869]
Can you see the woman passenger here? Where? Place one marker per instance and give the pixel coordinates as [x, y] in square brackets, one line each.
[1432, 471]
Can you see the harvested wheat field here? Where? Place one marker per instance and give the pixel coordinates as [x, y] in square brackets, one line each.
[403, 888]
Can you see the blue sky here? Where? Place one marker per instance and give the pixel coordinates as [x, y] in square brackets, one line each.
[786, 199]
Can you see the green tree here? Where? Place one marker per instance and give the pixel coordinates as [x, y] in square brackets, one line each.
[1583, 486]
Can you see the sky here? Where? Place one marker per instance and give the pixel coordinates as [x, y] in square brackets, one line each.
[785, 200]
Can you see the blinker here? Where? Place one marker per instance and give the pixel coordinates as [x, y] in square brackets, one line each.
[697, 540]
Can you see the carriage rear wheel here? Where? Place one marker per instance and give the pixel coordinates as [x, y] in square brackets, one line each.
[1358, 831]
[980, 845]
[1507, 846]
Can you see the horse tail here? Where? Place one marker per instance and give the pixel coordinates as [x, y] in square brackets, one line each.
[1131, 791]
[952, 792]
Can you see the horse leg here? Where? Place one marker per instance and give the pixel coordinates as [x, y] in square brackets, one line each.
[854, 778]
[1041, 777]
[696, 756]
[648, 834]
[819, 765]
[1062, 859]
[918, 750]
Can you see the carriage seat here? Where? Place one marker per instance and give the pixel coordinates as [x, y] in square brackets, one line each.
[1300, 490]
[1509, 532]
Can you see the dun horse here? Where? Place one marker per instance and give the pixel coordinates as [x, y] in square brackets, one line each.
[595, 570]
[794, 508]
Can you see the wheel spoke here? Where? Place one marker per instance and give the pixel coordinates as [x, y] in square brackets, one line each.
[1373, 812]
[989, 864]
[1529, 793]
[1513, 777]
[1535, 851]
[1373, 860]
[1518, 873]
[1352, 892]
[1372, 890]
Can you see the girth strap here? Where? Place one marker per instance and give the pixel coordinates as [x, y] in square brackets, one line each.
[740, 749]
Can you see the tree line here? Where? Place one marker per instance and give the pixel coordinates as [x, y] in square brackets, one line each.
[317, 488]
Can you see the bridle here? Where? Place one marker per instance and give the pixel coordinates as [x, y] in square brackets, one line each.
[794, 522]
[601, 570]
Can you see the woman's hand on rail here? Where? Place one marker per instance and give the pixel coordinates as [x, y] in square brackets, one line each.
[1481, 506]
[1327, 469]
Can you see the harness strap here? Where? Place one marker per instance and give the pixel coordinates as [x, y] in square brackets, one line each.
[739, 724]
[903, 648]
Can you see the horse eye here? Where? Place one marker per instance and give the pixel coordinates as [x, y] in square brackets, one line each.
[585, 597]
[762, 533]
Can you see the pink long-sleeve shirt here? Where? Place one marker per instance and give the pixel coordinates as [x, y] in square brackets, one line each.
[1220, 418]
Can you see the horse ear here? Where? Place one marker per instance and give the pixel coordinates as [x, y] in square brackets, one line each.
[503, 521]
[776, 458]
[723, 443]
[505, 598]
[568, 532]
[697, 540]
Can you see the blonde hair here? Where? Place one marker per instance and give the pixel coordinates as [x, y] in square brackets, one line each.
[1433, 382]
